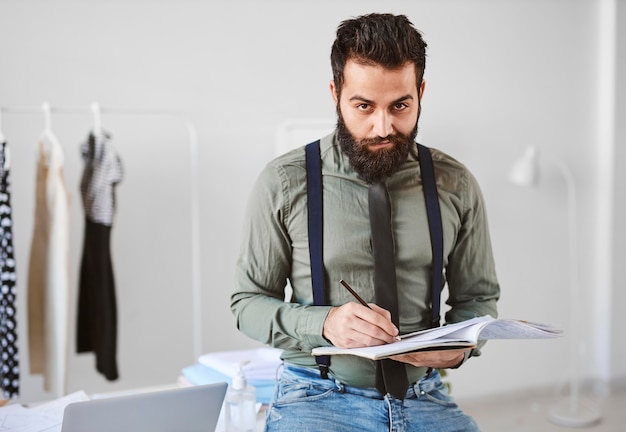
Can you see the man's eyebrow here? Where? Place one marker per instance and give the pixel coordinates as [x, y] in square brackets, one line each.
[361, 99]
[402, 99]
[370, 102]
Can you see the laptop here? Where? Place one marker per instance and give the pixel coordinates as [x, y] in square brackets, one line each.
[186, 409]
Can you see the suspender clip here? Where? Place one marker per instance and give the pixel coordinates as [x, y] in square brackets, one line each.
[323, 371]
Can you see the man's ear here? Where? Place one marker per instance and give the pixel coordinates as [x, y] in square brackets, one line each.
[422, 88]
[333, 92]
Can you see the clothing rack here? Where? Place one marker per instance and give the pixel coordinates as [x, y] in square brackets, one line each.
[96, 111]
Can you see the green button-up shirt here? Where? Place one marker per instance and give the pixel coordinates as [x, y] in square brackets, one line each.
[275, 251]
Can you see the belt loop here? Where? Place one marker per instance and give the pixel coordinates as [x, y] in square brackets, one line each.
[341, 388]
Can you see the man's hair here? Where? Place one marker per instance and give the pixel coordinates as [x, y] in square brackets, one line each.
[378, 39]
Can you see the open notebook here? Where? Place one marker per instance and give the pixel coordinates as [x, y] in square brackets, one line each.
[464, 334]
[188, 409]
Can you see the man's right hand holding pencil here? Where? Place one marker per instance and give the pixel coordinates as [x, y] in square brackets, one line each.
[354, 325]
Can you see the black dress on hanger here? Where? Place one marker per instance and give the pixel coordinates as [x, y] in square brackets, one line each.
[97, 310]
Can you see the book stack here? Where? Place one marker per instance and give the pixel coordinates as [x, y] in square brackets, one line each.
[260, 366]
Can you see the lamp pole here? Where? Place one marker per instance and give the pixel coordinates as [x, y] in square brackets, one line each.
[525, 172]
[573, 413]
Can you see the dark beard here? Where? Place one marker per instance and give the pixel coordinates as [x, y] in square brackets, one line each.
[374, 166]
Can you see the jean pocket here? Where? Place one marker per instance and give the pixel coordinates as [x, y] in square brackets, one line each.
[438, 395]
[433, 390]
[294, 391]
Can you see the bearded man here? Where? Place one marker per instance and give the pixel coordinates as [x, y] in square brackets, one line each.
[378, 63]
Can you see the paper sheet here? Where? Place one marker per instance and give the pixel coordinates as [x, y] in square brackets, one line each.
[45, 417]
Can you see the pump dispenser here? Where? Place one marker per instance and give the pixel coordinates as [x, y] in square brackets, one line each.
[240, 404]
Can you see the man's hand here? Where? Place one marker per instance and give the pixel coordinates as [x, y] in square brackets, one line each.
[434, 359]
[353, 325]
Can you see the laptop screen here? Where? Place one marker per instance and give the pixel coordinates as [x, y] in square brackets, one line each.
[186, 409]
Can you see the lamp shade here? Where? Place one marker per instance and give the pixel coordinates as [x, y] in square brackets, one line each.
[525, 172]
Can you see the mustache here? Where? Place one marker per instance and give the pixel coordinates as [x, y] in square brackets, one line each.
[393, 138]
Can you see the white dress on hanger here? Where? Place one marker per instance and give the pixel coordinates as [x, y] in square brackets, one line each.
[48, 273]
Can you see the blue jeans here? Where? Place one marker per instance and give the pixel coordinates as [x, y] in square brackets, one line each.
[306, 402]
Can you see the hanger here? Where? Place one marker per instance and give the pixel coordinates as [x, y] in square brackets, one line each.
[1, 136]
[47, 119]
[97, 119]
[7, 152]
[47, 139]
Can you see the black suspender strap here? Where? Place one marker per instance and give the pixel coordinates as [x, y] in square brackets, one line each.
[435, 227]
[315, 226]
[316, 236]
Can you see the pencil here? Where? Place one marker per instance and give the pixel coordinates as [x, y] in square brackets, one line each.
[358, 297]
[354, 294]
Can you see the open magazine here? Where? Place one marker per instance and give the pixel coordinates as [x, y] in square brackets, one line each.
[464, 334]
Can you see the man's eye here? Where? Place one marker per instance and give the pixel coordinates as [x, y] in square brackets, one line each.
[363, 107]
[400, 106]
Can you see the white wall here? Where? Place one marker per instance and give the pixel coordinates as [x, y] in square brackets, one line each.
[500, 75]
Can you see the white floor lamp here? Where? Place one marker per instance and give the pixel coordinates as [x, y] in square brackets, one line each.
[569, 413]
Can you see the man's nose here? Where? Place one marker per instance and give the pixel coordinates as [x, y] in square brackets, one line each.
[383, 125]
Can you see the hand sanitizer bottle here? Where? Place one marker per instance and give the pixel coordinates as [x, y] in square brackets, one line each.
[240, 405]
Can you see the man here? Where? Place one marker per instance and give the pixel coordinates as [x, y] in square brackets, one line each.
[378, 64]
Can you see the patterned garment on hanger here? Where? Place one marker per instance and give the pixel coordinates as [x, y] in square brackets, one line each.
[9, 359]
[97, 309]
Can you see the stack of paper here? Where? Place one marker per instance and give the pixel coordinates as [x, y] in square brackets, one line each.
[258, 365]
[45, 417]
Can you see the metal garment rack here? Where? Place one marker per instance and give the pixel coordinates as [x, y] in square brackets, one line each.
[96, 111]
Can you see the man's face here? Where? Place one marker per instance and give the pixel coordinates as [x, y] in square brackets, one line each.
[377, 112]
